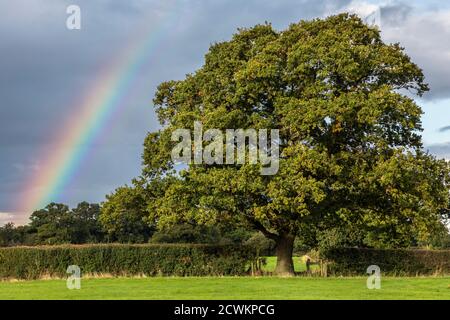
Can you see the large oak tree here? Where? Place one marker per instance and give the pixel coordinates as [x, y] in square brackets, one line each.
[350, 141]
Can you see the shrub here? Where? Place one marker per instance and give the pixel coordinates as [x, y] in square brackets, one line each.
[187, 233]
[354, 261]
[125, 260]
[261, 244]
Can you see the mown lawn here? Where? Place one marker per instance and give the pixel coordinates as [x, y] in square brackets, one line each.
[230, 288]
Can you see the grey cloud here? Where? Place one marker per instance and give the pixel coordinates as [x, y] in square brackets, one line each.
[394, 14]
[443, 129]
[426, 38]
[440, 150]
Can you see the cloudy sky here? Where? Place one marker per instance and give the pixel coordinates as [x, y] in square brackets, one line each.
[45, 69]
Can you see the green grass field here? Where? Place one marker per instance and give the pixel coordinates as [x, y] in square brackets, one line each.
[230, 288]
[205, 288]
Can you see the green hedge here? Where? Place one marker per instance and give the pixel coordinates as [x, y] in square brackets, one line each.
[115, 259]
[407, 262]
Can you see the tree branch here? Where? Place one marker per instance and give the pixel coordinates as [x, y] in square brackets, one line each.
[258, 226]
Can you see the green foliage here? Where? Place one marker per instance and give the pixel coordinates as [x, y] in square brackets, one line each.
[439, 239]
[53, 224]
[354, 261]
[125, 260]
[9, 235]
[57, 224]
[86, 226]
[236, 235]
[123, 216]
[339, 237]
[198, 233]
[187, 233]
[261, 244]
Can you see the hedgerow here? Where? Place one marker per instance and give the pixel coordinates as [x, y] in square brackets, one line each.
[125, 260]
[401, 262]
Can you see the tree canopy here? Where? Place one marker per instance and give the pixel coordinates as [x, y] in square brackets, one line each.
[350, 143]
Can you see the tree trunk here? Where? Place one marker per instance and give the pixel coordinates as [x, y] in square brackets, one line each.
[284, 248]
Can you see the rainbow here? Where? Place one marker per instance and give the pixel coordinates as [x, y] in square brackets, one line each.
[73, 141]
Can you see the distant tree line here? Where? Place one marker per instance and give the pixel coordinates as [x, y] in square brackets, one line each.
[90, 223]
[56, 224]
